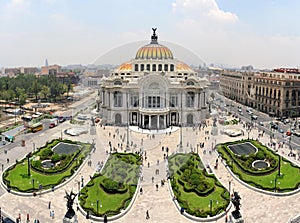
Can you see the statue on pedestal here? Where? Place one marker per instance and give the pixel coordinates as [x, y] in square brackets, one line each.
[70, 216]
[236, 201]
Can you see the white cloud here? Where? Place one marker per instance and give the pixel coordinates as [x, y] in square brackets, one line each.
[18, 5]
[16, 8]
[203, 9]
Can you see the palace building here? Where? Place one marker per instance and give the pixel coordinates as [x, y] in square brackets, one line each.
[153, 91]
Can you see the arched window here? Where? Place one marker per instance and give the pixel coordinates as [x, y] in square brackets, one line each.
[159, 67]
[190, 83]
[166, 67]
[189, 120]
[142, 67]
[118, 119]
[118, 99]
[172, 67]
[153, 67]
[136, 67]
[148, 67]
[118, 83]
[190, 99]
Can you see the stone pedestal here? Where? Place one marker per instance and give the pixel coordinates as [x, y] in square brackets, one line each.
[214, 130]
[70, 217]
[235, 218]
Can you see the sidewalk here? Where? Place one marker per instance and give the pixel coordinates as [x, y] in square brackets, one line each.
[256, 207]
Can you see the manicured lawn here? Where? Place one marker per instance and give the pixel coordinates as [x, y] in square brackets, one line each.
[109, 203]
[20, 180]
[114, 187]
[288, 180]
[187, 178]
[16, 177]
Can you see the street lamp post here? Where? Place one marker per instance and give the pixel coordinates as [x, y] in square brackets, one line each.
[127, 111]
[28, 162]
[32, 183]
[180, 143]
[279, 165]
[97, 206]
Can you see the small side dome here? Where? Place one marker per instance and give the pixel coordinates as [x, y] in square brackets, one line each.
[124, 68]
[182, 67]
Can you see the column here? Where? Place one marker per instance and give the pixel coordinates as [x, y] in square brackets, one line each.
[157, 122]
[200, 100]
[149, 121]
[165, 121]
[143, 121]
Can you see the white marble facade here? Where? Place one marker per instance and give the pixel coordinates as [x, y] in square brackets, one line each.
[153, 91]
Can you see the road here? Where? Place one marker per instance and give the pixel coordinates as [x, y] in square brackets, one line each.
[263, 121]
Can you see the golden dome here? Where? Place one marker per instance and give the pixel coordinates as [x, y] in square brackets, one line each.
[182, 67]
[125, 67]
[154, 50]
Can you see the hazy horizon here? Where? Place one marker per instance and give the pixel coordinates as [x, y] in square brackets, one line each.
[264, 34]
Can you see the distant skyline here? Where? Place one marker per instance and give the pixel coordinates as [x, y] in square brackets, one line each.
[262, 33]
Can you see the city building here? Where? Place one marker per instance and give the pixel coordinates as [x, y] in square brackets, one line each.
[274, 92]
[19, 70]
[52, 69]
[153, 91]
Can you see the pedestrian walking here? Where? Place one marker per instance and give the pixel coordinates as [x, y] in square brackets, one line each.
[53, 215]
[152, 179]
[156, 187]
[147, 215]
[141, 190]
[49, 205]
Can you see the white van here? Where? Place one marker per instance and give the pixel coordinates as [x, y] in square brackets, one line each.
[254, 117]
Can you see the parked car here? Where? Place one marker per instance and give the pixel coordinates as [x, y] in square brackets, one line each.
[62, 119]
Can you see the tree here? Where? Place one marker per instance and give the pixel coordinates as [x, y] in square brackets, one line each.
[22, 99]
[19, 92]
[45, 91]
[35, 88]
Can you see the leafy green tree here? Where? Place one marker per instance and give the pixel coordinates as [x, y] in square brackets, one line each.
[22, 99]
[45, 91]
[35, 88]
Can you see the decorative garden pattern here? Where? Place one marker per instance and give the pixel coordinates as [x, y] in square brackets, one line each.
[199, 193]
[259, 166]
[47, 167]
[111, 191]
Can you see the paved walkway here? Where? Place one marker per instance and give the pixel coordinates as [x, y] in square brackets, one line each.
[256, 207]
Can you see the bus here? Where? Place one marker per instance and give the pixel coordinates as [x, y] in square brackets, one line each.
[35, 127]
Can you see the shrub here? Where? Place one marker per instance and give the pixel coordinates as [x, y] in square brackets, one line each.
[55, 158]
[36, 163]
[47, 152]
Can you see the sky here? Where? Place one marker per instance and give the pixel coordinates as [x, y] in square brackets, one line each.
[261, 33]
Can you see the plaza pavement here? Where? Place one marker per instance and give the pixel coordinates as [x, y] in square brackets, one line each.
[256, 207]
